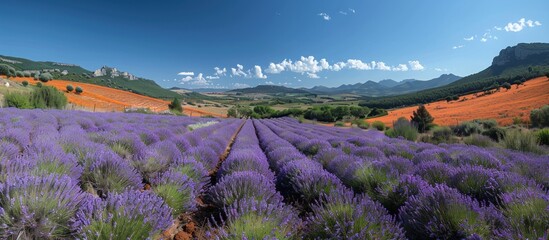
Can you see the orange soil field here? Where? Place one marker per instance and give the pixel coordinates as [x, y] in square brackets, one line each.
[502, 106]
[104, 99]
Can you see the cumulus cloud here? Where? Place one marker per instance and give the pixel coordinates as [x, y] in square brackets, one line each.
[198, 80]
[520, 25]
[325, 16]
[471, 38]
[456, 47]
[415, 65]
[220, 72]
[259, 73]
[239, 71]
[186, 74]
[400, 67]
[312, 75]
[212, 77]
[352, 10]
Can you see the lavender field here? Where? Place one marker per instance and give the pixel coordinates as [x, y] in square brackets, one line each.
[78, 175]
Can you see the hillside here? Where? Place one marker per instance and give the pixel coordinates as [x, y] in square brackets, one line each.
[524, 61]
[387, 87]
[104, 99]
[270, 89]
[75, 73]
[502, 106]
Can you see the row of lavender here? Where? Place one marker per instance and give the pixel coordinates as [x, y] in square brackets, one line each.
[445, 191]
[66, 174]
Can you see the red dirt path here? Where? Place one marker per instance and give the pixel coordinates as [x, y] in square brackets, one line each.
[502, 106]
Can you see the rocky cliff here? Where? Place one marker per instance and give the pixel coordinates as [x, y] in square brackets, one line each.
[520, 52]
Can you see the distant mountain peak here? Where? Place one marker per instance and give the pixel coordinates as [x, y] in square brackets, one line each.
[519, 52]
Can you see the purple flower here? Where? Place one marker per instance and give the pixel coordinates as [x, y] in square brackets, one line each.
[443, 213]
[243, 185]
[129, 215]
[38, 207]
[251, 219]
[245, 160]
[341, 215]
[177, 190]
[528, 213]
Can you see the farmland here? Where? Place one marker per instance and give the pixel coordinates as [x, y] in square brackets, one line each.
[503, 106]
[71, 174]
[104, 99]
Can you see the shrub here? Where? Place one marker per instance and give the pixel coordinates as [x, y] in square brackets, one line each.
[422, 118]
[48, 97]
[478, 140]
[543, 136]
[19, 74]
[467, 128]
[7, 70]
[70, 88]
[38, 207]
[17, 100]
[528, 213]
[175, 105]
[486, 123]
[442, 134]
[521, 140]
[39, 84]
[444, 213]
[26, 74]
[129, 215]
[404, 129]
[380, 126]
[540, 117]
[25, 83]
[177, 190]
[339, 124]
[344, 216]
[45, 77]
[250, 219]
[79, 90]
[496, 133]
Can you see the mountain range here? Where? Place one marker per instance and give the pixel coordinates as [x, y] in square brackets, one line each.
[386, 87]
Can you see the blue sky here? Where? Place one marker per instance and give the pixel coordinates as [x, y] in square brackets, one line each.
[245, 43]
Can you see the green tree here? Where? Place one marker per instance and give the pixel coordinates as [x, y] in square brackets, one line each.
[70, 88]
[540, 117]
[48, 97]
[45, 77]
[175, 105]
[263, 111]
[448, 99]
[39, 84]
[422, 118]
[506, 86]
[359, 112]
[78, 90]
[232, 112]
[7, 70]
[25, 83]
[19, 74]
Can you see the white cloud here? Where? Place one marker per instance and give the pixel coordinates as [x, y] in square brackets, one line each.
[498, 28]
[240, 85]
[471, 38]
[343, 13]
[312, 75]
[212, 77]
[220, 72]
[483, 40]
[238, 71]
[441, 70]
[186, 74]
[357, 64]
[198, 80]
[415, 65]
[400, 67]
[521, 24]
[380, 66]
[325, 16]
[456, 47]
[352, 10]
[269, 83]
[259, 73]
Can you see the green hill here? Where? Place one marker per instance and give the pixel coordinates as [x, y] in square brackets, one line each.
[78, 74]
[521, 62]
